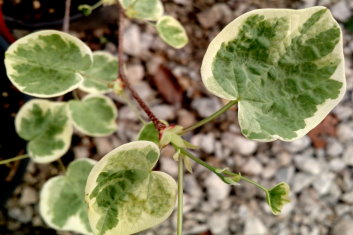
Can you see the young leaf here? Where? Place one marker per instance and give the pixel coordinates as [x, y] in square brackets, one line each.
[62, 199]
[149, 132]
[47, 127]
[277, 197]
[172, 32]
[103, 71]
[94, 116]
[143, 9]
[47, 63]
[285, 67]
[124, 196]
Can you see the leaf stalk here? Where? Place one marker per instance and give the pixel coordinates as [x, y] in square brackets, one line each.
[210, 118]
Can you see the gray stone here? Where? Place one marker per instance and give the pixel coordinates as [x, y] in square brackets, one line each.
[348, 197]
[344, 226]
[342, 113]
[164, 112]
[103, 145]
[270, 170]
[169, 166]
[285, 174]
[206, 106]
[205, 142]
[133, 45]
[252, 167]
[23, 215]
[341, 11]
[217, 190]
[135, 73]
[345, 133]
[348, 156]
[253, 225]
[284, 158]
[334, 149]
[209, 17]
[307, 164]
[238, 143]
[308, 3]
[337, 165]
[334, 194]
[301, 181]
[28, 196]
[298, 145]
[323, 183]
[219, 223]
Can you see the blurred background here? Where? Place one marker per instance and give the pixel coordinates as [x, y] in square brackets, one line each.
[318, 167]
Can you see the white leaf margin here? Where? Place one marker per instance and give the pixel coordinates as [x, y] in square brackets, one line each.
[65, 136]
[92, 183]
[171, 21]
[298, 17]
[84, 49]
[93, 90]
[74, 223]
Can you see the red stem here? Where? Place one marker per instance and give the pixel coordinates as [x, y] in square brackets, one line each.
[122, 76]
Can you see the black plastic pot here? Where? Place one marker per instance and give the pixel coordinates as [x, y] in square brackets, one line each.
[40, 14]
[11, 144]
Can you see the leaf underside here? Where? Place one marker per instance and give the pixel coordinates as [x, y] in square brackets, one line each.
[47, 63]
[124, 195]
[62, 203]
[281, 76]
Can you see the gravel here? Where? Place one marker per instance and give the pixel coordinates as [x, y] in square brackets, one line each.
[320, 179]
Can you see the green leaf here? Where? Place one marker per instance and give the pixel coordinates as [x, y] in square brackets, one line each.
[62, 199]
[95, 115]
[285, 67]
[126, 3]
[109, 2]
[277, 197]
[47, 63]
[124, 196]
[172, 32]
[103, 71]
[149, 132]
[47, 127]
[85, 9]
[143, 9]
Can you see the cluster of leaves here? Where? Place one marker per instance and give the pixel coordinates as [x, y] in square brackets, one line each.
[51, 63]
[284, 68]
[168, 28]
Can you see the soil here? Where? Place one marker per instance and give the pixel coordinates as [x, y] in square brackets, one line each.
[35, 14]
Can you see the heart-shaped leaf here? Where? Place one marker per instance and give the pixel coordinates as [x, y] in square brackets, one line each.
[103, 71]
[47, 63]
[149, 132]
[94, 116]
[47, 127]
[62, 199]
[124, 196]
[143, 9]
[172, 32]
[285, 67]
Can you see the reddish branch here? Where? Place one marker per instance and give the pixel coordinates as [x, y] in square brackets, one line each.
[66, 22]
[122, 76]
